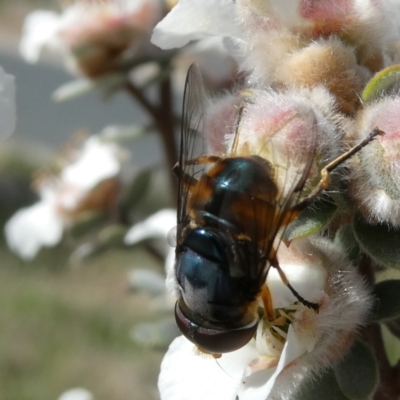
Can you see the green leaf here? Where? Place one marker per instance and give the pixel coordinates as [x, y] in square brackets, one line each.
[311, 220]
[323, 387]
[387, 304]
[70, 90]
[109, 237]
[391, 341]
[394, 327]
[86, 223]
[112, 235]
[383, 83]
[346, 239]
[137, 189]
[357, 374]
[380, 242]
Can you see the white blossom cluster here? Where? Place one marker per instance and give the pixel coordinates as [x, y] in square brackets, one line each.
[312, 79]
[309, 70]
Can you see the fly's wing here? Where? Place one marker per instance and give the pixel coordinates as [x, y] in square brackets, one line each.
[270, 206]
[192, 144]
[292, 177]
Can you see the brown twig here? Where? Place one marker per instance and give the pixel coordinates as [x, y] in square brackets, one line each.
[162, 115]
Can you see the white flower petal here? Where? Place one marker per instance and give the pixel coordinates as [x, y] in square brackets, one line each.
[260, 384]
[170, 281]
[157, 225]
[188, 375]
[31, 228]
[195, 19]
[288, 11]
[76, 394]
[97, 162]
[305, 272]
[40, 29]
[8, 112]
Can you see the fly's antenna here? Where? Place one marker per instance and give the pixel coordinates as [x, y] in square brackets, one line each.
[236, 138]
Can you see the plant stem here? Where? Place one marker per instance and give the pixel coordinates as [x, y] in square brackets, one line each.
[164, 120]
[166, 129]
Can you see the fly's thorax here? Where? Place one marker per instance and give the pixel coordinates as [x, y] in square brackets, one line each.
[234, 191]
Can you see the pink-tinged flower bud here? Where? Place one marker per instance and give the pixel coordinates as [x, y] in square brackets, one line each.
[360, 24]
[93, 36]
[221, 117]
[281, 58]
[329, 63]
[375, 180]
[88, 182]
[288, 129]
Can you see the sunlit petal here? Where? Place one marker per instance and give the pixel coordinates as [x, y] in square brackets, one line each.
[39, 31]
[186, 374]
[97, 162]
[195, 19]
[31, 228]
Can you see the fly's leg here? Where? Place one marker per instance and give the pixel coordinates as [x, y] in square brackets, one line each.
[267, 302]
[206, 159]
[189, 180]
[325, 172]
[284, 279]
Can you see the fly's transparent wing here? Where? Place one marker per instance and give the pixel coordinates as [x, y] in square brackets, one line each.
[192, 144]
[271, 205]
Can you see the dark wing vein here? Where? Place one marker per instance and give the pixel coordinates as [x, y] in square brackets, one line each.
[191, 142]
[287, 198]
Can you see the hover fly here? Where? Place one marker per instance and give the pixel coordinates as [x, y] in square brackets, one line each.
[230, 211]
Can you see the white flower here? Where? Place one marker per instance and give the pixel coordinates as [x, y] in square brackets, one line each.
[7, 104]
[273, 39]
[193, 19]
[283, 353]
[158, 226]
[40, 31]
[92, 36]
[88, 183]
[76, 394]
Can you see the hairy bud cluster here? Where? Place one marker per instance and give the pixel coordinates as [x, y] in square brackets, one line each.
[375, 183]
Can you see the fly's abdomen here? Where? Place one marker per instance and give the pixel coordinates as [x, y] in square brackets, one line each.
[203, 274]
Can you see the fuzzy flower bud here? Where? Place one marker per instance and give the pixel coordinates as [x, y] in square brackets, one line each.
[358, 23]
[329, 63]
[287, 129]
[375, 183]
[88, 183]
[221, 117]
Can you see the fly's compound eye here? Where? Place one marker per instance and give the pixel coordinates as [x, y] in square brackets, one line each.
[210, 339]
